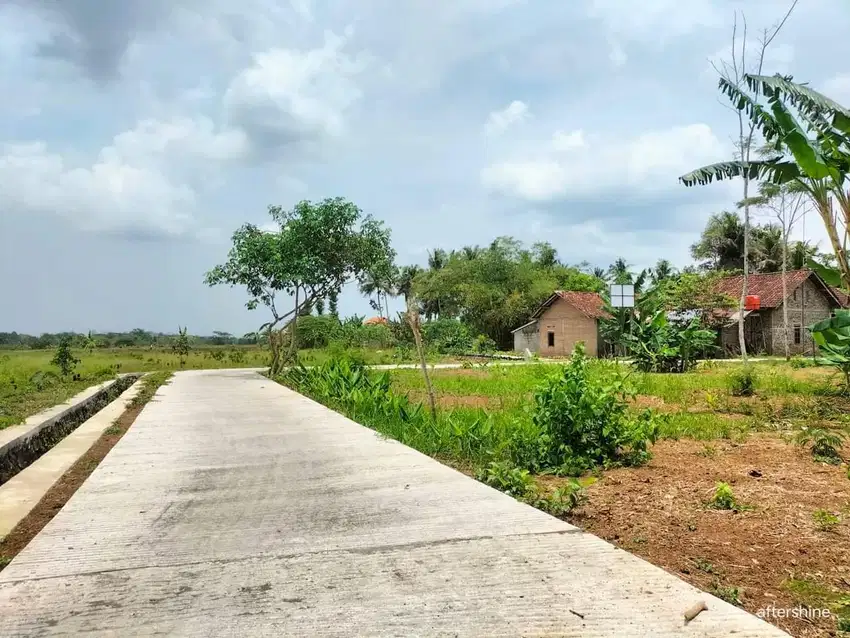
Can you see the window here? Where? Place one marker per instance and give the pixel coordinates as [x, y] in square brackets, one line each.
[798, 335]
[550, 338]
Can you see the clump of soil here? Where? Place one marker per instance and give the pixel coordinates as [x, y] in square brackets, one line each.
[773, 551]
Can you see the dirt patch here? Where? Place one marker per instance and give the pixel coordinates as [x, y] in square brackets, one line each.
[458, 401]
[658, 512]
[65, 487]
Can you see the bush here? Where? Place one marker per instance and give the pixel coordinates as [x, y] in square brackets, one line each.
[825, 445]
[585, 421]
[64, 359]
[742, 383]
[507, 478]
[797, 362]
[317, 332]
[483, 344]
[448, 336]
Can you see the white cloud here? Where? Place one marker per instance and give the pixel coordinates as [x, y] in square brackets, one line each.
[650, 162]
[110, 195]
[184, 136]
[499, 121]
[291, 96]
[655, 20]
[568, 141]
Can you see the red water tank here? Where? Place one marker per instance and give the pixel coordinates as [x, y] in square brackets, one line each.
[752, 302]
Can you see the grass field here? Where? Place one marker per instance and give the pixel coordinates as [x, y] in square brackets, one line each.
[29, 383]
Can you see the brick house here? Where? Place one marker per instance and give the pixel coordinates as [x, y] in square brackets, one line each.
[560, 322]
[809, 300]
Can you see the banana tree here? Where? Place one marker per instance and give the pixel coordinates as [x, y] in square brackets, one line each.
[811, 134]
[833, 339]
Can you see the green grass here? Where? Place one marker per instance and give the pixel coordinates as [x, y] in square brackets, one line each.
[30, 384]
[696, 405]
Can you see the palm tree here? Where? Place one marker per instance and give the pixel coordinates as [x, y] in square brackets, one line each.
[371, 284]
[437, 259]
[600, 273]
[800, 253]
[404, 280]
[619, 272]
[663, 270]
[766, 253]
[471, 252]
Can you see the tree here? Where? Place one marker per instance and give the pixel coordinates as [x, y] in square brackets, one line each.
[317, 248]
[64, 358]
[496, 291]
[721, 244]
[545, 254]
[333, 301]
[405, 280]
[663, 271]
[320, 306]
[90, 342]
[181, 344]
[734, 75]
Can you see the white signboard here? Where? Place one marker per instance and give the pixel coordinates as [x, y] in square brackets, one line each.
[622, 295]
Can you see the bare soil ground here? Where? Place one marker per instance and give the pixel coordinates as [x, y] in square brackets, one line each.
[773, 552]
[64, 488]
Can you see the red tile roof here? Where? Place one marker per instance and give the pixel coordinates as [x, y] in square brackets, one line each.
[589, 303]
[767, 286]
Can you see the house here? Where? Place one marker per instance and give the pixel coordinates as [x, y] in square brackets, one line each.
[809, 300]
[560, 322]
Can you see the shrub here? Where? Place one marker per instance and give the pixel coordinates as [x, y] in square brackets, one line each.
[448, 336]
[64, 359]
[317, 332]
[482, 344]
[507, 478]
[797, 362]
[742, 383]
[584, 421]
[562, 500]
[825, 445]
[724, 499]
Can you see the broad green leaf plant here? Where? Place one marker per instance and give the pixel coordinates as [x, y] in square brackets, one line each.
[811, 135]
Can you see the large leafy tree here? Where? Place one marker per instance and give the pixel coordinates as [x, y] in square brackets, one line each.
[316, 249]
[810, 136]
[721, 244]
[499, 288]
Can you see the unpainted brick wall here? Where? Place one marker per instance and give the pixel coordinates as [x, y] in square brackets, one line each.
[570, 326]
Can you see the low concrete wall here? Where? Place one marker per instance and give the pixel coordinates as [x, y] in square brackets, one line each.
[19, 452]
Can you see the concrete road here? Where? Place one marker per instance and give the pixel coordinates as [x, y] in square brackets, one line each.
[235, 507]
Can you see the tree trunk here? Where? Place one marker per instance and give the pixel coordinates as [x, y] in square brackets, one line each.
[293, 326]
[785, 293]
[829, 221]
[413, 319]
[742, 301]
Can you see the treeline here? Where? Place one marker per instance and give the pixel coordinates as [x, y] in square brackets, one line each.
[137, 338]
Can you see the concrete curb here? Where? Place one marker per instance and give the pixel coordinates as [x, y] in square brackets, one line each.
[21, 493]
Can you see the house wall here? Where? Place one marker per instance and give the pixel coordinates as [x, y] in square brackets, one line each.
[817, 306]
[570, 326]
[527, 338]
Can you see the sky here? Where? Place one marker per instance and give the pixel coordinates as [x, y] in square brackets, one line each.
[136, 136]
